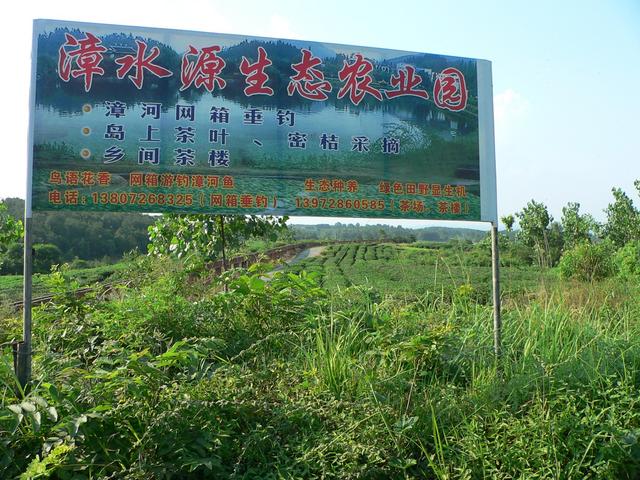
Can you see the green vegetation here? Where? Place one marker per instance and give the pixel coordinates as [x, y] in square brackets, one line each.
[204, 238]
[10, 228]
[367, 364]
[383, 233]
[11, 285]
[588, 262]
[413, 270]
[584, 248]
[94, 237]
[627, 260]
[623, 219]
[371, 361]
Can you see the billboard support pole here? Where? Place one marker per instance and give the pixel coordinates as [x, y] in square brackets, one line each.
[495, 267]
[23, 357]
[488, 187]
[224, 248]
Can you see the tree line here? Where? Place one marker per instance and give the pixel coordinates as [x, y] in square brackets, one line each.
[398, 234]
[581, 246]
[71, 237]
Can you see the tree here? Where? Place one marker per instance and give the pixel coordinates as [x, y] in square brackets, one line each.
[555, 244]
[508, 221]
[534, 230]
[87, 235]
[10, 233]
[627, 260]
[623, 219]
[198, 238]
[11, 262]
[576, 228]
[10, 228]
[45, 256]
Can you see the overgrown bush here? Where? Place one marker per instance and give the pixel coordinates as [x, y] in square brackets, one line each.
[45, 256]
[11, 260]
[588, 262]
[627, 260]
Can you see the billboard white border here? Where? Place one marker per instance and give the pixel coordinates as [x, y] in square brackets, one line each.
[486, 141]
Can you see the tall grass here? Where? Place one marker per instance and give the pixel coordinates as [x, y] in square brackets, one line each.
[332, 357]
[562, 403]
[285, 380]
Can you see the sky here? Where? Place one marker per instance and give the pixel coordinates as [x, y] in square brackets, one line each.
[566, 77]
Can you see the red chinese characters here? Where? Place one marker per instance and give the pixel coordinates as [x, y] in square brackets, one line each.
[256, 76]
[82, 57]
[85, 54]
[450, 90]
[356, 76]
[308, 81]
[204, 69]
[406, 82]
[140, 63]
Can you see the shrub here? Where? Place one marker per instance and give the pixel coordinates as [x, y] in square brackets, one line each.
[79, 263]
[627, 260]
[11, 260]
[45, 256]
[588, 262]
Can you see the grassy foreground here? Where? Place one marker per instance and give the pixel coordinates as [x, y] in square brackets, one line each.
[359, 370]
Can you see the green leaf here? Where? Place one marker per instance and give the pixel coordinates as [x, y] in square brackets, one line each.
[101, 408]
[403, 463]
[53, 391]
[257, 284]
[405, 423]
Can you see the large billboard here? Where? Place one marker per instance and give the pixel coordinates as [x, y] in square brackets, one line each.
[154, 120]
